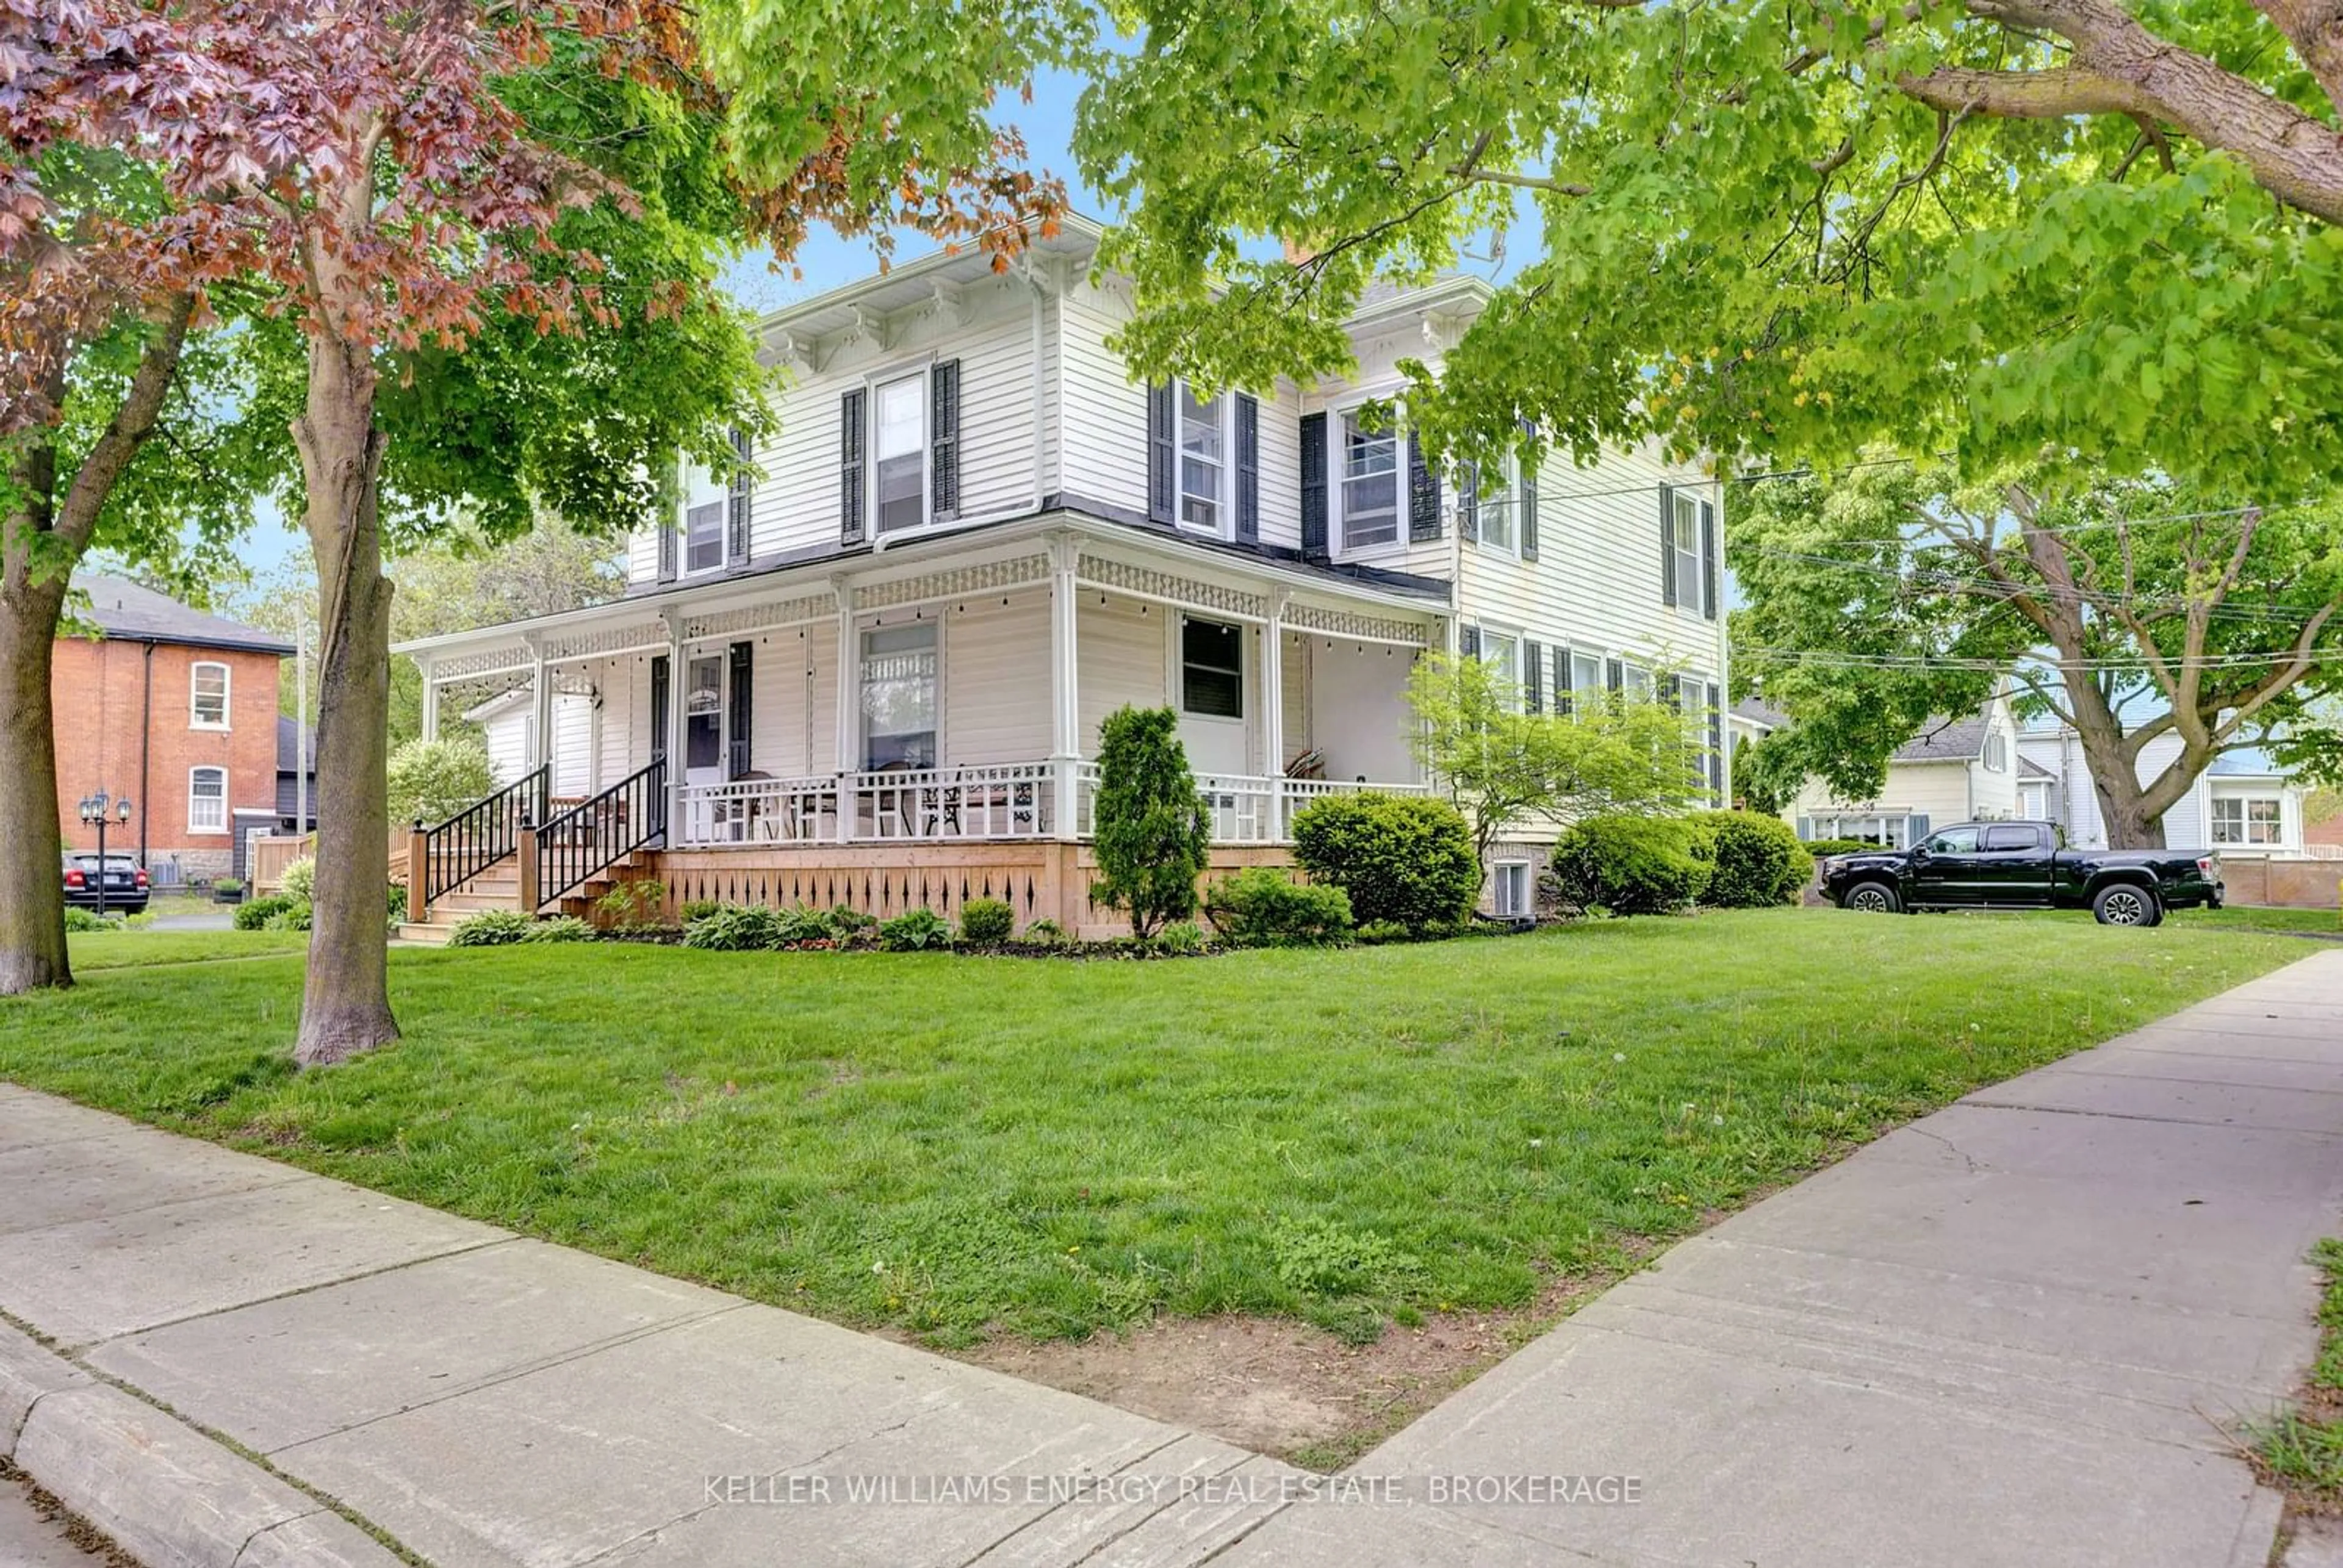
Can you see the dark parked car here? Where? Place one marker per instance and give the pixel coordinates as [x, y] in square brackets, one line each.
[2020, 866]
[126, 884]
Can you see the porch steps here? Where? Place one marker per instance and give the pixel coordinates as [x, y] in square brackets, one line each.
[498, 887]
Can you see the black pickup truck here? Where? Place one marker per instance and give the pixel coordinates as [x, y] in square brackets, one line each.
[2019, 866]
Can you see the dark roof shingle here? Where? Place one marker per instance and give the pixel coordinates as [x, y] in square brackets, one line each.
[130, 613]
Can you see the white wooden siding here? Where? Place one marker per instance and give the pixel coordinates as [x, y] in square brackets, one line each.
[1105, 416]
[1121, 660]
[1940, 790]
[996, 679]
[572, 752]
[1361, 719]
[505, 734]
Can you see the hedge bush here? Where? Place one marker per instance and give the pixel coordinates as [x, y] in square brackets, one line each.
[1755, 861]
[914, 930]
[1152, 838]
[693, 909]
[80, 920]
[736, 929]
[295, 916]
[1261, 908]
[560, 928]
[256, 914]
[986, 920]
[1823, 848]
[490, 928]
[300, 879]
[1402, 859]
[1630, 865]
[430, 781]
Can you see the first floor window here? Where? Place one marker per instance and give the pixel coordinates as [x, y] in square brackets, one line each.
[703, 549]
[703, 713]
[2246, 819]
[1370, 470]
[1586, 674]
[207, 699]
[899, 696]
[1202, 458]
[898, 444]
[1212, 668]
[1888, 832]
[1634, 679]
[1503, 654]
[207, 800]
[1511, 892]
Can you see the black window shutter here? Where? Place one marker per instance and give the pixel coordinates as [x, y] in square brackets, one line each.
[1527, 489]
[1468, 642]
[1667, 544]
[849, 468]
[1248, 469]
[667, 547]
[742, 706]
[943, 451]
[1615, 675]
[1468, 502]
[736, 523]
[1161, 451]
[1708, 560]
[1533, 681]
[659, 696]
[1422, 495]
[1716, 744]
[1561, 693]
[1671, 688]
[1313, 486]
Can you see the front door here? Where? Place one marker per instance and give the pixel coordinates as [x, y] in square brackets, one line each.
[703, 735]
[1951, 872]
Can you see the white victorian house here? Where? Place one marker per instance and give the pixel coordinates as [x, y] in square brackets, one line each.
[875, 671]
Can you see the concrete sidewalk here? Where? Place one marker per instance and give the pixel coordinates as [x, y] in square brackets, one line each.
[2002, 1336]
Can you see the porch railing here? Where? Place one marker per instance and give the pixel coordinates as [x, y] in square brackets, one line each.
[480, 835]
[984, 800]
[595, 834]
[1243, 809]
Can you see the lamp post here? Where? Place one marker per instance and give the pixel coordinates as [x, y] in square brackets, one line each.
[95, 810]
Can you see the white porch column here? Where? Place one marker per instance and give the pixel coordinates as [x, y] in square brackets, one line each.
[847, 755]
[540, 692]
[1065, 696]
[1272, 711]
[676, 828]
[430, 702]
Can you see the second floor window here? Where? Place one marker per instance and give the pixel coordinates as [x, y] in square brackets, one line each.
[208, 703]
[704, 537]
[1369, 465]
[1691, 575]
[1203, 460]
[1996, 752]
[899, 447]
[1498, 502]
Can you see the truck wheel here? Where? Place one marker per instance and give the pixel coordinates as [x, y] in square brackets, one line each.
[2126, 904]
[1872, 898]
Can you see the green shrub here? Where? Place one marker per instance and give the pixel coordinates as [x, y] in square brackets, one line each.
[81, 920]
[1401, 858]
[490, 928]
[1047, 933]
[431, 780]
[230, 885]
[560, 928]
[1630, 865]
[395, 904]
[1179, 937]
[914, 930]
[736, 928]
[1372, 933]
[140, 921]
[300, 882]
[631, 906]
[699, 909]
[257, 914]
[1151, 837]
[807, 928]
[1262, 907]
[986, 920]
[292, 916]
[845, 920]
[1755, 862]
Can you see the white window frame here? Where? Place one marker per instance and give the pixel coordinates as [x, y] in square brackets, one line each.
[2245, 825]
[1508, 470]
[1996, 752]
[2033, 799]
[719, 510]
[1510, 668]
[1893, 829]
[875, 382]
[1502, 874]
[1224, 504]
[194, 824]
[196, 719]
[1592, 658]
[862, 662]
[1344, 419]
[1634, 679]
[1689, 567]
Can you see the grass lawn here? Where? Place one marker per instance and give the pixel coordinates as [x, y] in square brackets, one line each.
[2264, 918]
[961, 1146]
[94, 950]
[2301, 1449]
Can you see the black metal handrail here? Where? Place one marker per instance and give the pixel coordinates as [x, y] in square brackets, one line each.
[597, 832]
[482, 834]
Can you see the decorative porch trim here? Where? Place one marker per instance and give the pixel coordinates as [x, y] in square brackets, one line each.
[1169, 588]
[641, 637]
[757, 617]
[510, 659]
[986, 577]
[1357, 625]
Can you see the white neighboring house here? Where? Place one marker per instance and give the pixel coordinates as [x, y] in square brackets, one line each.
[875, 671]
[1956, 769]
[2242, 805]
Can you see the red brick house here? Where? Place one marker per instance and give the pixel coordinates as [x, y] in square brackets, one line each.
[176, 709]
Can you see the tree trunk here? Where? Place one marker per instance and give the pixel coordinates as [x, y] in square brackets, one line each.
[32, 846]
[345, 1005]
